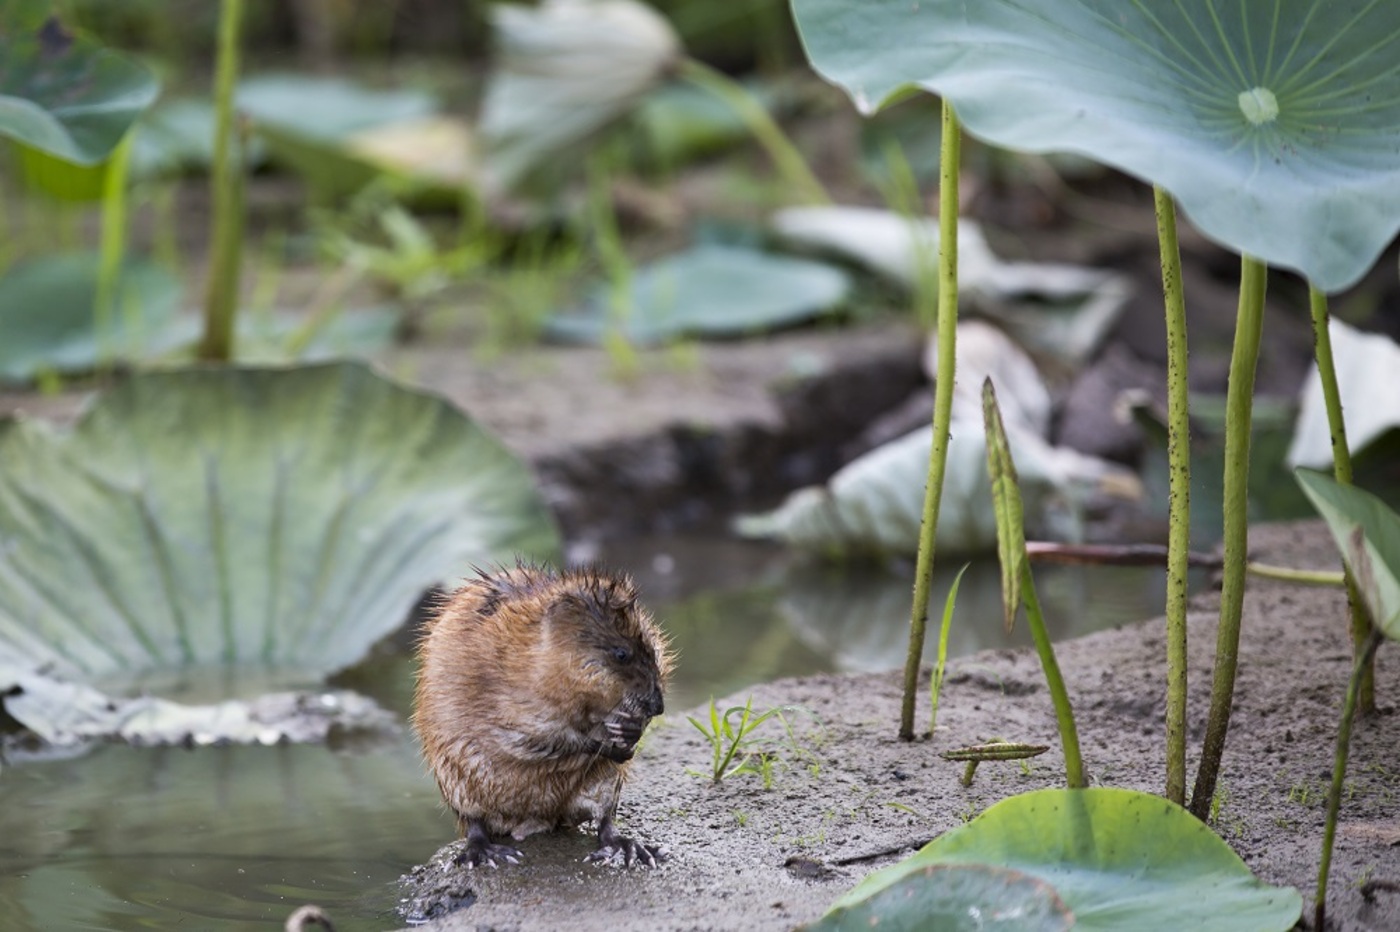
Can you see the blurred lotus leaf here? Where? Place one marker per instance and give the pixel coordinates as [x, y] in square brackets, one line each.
[874, 504]
[317, 126]
[714, 291]
[438, 149]
[49, 315]
[1051, 308]
[267, 519]
[566, 69]
[1366, 368]
[66, 713]
[64, 94]
[177, 136]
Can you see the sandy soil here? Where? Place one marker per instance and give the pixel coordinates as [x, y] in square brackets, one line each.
[748, 858]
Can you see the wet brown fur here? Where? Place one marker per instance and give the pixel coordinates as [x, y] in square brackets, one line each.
[528, 710]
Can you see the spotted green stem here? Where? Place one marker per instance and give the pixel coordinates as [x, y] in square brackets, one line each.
[1361, 627]
[1239, 399]
[1178, 496]
[950, 157]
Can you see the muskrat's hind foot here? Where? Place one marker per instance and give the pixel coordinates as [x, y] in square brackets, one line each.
[479, 850]
[611, 844]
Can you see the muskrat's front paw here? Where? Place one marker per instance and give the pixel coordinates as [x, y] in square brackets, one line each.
[631, 852]
[486, 855]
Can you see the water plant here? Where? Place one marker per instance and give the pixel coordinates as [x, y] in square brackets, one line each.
[69, 106]
[935, 686]
[1017, 581]
[1368, 535]
[1080, 857]
[1058, 858]
[1271, 125]
[269, 524]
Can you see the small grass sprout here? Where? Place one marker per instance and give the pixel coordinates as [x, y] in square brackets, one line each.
[735, 747]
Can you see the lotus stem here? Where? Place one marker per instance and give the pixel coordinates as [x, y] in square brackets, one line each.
[1239, 399]
[1361, 627]
[112, 250]
[949, 157]
[1064, 713]
[1364, 660]
[786, 158]
[1179, 494]
[226, 182]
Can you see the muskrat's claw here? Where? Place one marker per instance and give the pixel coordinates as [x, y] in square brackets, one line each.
[487, 855]
[631, 852]
[612, 844]
[480, 851]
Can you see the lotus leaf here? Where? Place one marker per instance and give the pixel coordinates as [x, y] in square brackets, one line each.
[1273, 124]
[269, 518]
[1367, 533]
[1051, 308]
[709, 291]
[956, 898]
[64, 94]
[49, 317]
[1366, 366]
[1119, 859]
[566, 69]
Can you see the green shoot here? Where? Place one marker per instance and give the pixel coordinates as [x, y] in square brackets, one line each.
[735, 748]
[936, 681]
[1018, 584]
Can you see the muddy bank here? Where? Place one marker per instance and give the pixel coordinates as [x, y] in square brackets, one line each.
[854, 798]
[691, 436]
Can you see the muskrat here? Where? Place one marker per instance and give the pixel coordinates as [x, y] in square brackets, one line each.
[534, 688]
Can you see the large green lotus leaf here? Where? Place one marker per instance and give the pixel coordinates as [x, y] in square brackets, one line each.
[281, 518]
[710, 290]
[1274, 124]
[1367, 533]
[64, 94]
[955, 898]
[1119, 859]
[49, 318]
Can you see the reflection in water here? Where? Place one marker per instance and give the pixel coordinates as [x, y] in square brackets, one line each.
[232, 838]
[215, 838]
[741, 612]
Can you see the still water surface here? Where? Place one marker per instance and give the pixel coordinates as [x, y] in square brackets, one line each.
[236, 838]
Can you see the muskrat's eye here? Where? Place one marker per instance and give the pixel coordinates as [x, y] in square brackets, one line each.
[621, 654]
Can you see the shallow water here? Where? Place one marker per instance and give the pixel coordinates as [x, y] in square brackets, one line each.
[232, 838]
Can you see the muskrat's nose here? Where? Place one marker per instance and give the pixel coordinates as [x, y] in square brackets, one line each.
[656, 703]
